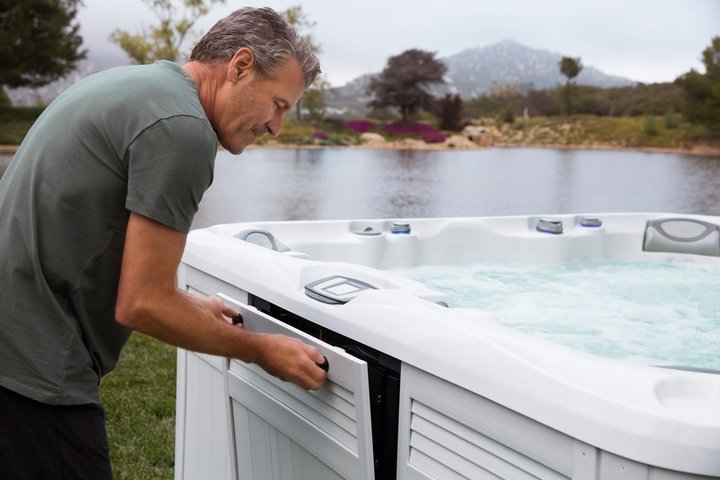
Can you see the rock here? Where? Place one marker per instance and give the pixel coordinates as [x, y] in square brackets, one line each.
[460, 141]
[372, 138]
[473, 132]
[411, 143]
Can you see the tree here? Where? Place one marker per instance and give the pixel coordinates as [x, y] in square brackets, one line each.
[39, 43]
[404, 81]
[570, 67]
[314, 100]
[509, 97]
[702, 92]
[165, 40]
[450, 110]
[300, 21]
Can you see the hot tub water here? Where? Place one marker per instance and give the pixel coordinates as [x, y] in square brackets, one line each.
[651, 313]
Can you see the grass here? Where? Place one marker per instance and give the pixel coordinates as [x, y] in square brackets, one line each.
[139, 401]
[15, 123]
[301, 133]
[630, 132]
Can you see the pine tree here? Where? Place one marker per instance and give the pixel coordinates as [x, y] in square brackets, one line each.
[39, 43]
[702, 91]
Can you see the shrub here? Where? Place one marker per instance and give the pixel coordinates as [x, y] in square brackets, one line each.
[4, 99]
[360, 126]
[433, 137]
[650, 127]
[422, 131]
[336, 122]
[671, 119]
[450, 110]
[320, 135]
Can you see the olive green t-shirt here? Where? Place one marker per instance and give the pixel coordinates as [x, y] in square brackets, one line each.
[126, 139]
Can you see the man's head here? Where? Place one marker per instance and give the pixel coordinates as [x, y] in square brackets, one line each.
[271, 38]
[260, 68]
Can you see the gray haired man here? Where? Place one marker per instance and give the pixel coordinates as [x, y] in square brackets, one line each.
[94, 212]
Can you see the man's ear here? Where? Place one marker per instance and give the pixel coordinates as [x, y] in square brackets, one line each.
[242, 65]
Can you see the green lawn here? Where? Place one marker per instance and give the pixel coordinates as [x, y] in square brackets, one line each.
[139, 400]
[15, 123]
[668, 131]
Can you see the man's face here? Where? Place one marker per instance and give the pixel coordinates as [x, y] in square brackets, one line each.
[251, 105]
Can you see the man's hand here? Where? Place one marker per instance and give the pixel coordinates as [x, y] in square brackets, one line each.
[291, 360]
[287, 358]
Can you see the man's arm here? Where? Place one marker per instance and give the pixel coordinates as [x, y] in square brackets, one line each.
[149, 302]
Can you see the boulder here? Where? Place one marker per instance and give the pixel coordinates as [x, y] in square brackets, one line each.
[460, 141]
[372, 138]
[473, 132]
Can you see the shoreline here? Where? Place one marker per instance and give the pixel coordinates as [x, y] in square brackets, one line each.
[698, 150]
[416, 145]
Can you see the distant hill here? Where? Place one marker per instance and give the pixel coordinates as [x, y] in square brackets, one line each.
[95, 62]
[471, 72]
[475, 71]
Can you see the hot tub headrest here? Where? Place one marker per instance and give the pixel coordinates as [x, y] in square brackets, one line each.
[262, 238]
[682, 235]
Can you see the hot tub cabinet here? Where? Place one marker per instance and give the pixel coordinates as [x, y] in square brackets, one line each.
[418, 389]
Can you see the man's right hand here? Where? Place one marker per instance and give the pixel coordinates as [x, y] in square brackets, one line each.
[291, 360]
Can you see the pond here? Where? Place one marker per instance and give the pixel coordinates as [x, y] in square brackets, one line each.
[264, 184]
[289, 184]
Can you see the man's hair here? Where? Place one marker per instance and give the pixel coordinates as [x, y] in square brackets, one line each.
[271, 38]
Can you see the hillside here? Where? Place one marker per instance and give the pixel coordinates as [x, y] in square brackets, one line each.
[471, 72]
[475, 71]
[31, 97]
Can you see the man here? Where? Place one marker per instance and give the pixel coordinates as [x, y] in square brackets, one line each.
[94, 212]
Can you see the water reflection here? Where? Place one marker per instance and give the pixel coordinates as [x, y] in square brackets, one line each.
[339, 183]
[702, 178]
[264, 184]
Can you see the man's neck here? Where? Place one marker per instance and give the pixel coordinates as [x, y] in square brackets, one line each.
[207, 78]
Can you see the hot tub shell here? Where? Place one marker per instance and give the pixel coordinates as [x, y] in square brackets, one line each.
[474, 399]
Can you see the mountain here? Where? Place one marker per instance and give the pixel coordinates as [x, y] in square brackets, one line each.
[475, 71]
[95, 62]
[471, 72]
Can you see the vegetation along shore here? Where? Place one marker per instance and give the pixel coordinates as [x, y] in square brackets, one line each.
[660, 133]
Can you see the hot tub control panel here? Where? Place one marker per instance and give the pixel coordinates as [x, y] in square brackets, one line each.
[336, 290]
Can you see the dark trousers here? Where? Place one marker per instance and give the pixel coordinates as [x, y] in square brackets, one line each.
[48, 442]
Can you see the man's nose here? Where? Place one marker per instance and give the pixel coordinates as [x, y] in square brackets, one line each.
[274, 125]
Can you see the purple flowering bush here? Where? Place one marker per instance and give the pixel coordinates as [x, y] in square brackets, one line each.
[423, 131]
[433, 136]
[320, 135]
[359, 126]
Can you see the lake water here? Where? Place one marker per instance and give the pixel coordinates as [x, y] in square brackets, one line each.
[278, 184]
[266, 184]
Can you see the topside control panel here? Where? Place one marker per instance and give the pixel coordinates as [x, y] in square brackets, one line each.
[336, 290]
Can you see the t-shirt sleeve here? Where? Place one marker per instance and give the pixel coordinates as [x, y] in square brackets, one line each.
[170, 165]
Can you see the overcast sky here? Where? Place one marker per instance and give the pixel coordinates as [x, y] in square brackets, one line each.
[644, 40]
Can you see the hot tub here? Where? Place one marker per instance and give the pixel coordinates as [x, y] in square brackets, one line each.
[419, 388]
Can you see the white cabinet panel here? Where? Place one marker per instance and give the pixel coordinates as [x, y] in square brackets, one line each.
[281, 431]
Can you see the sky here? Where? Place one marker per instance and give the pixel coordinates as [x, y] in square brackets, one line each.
[643, 40]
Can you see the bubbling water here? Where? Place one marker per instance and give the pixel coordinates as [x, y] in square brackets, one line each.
[652, 313]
